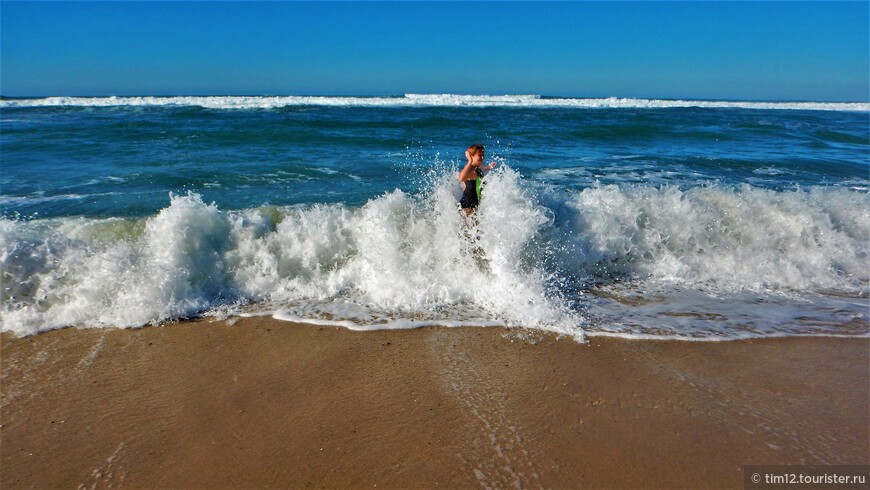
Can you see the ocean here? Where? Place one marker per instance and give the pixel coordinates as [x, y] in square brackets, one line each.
[635, 218]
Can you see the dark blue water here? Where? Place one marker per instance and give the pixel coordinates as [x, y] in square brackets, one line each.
[123, 161]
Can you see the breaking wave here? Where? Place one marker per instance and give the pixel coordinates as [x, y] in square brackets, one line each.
[528, 259]
[423, 100]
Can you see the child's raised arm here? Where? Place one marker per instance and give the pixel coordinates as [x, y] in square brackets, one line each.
[490, 166]
[467, 172]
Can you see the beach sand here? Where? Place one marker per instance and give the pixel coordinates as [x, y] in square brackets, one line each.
[257, 402]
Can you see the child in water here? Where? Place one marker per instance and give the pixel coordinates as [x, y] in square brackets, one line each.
[469, 176]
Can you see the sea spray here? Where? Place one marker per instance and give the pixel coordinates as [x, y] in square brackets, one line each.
[707, 262]
[419, 258]
[73, 275]
[397, 257]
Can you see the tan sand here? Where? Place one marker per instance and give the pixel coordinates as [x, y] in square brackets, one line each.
[262, 403]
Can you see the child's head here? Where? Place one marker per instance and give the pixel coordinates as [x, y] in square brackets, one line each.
[475, 149]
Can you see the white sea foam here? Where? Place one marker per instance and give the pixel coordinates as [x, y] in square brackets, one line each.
[404, 261]
[385, 325]
[425, 100]
[411, 257]
[728, 239]
[690, 314]
[38, 198]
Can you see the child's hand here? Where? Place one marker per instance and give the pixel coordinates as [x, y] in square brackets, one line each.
[467, 156]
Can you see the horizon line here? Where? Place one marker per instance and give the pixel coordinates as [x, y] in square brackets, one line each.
[404, 95]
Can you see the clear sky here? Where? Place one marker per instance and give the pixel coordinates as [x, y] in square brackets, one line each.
[744, 50]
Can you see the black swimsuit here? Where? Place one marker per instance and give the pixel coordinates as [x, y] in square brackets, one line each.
[469, 197]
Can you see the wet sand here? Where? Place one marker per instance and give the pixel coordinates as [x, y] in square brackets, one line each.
[258, 403]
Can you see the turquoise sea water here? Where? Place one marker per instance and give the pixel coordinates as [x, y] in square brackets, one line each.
[639, 218]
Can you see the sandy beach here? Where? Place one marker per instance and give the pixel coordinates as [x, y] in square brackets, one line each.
[259, 403]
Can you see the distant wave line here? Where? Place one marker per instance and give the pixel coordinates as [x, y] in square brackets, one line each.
[423, 100]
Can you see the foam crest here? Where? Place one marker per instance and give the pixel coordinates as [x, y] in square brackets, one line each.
[95, 273]
[408, 260]
[729, 239]
[397, 260]
[424, 100]
[416, 257]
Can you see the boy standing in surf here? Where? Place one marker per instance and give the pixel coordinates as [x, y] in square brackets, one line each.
[470, 176]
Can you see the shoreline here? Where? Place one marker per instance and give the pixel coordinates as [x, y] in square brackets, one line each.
[259, 402]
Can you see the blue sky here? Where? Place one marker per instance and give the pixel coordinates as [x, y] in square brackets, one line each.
[742, 50]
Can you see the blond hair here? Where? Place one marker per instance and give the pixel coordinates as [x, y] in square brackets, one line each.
[475, 149]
